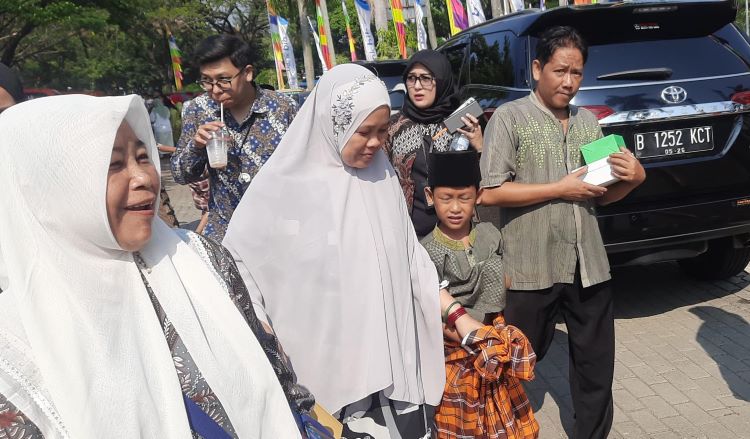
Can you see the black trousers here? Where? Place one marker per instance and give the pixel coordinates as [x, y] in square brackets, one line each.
[589, 316]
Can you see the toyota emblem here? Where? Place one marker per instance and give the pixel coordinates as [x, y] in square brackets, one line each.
[673, 94]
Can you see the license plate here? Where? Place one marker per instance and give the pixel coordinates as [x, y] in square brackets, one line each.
[674, 142]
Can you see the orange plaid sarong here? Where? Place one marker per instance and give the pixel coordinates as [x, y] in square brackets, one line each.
[483, 395]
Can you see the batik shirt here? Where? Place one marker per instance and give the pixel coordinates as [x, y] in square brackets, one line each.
[253, 141]
[546, 242]
[408, 152]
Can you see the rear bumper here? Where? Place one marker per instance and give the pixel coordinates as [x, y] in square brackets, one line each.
[642, 236]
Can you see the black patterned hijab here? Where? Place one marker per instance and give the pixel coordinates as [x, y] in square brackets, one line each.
[10, 81]
[446, 95]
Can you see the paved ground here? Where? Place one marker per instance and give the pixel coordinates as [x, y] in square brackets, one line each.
[181, 199]
[683, 354]
[682, 359]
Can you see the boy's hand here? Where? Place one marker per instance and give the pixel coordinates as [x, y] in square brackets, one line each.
[205, 132]
[572, 188]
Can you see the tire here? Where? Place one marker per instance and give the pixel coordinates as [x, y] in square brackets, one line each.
[721, 261]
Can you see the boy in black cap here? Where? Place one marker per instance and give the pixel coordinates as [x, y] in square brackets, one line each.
[485, 359]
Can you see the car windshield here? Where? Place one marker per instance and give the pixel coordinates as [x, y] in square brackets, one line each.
[665, 59]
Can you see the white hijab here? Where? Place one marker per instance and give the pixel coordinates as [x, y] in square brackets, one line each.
[83, 353]
[351, 294]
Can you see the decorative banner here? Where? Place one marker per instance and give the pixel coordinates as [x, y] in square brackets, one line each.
[421, 33]
[352, 50]
[317, 46]
[278, 56]
[476, 14]
[323, 37]
[364, 16]
[456, 16]
[288, 51]
[398, 22]
[176, 55]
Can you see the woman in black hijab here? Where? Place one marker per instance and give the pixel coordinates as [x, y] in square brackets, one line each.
[11, 90]
[431, 97]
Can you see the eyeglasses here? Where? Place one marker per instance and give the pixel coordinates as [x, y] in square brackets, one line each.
[426, 81]
[222, 83]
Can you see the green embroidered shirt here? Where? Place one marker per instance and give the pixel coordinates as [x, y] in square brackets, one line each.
[545, 242]
[474, 274]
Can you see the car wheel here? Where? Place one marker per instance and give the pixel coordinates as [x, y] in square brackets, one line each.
[721, 261]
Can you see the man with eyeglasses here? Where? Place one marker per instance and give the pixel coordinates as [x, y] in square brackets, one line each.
[255, 118]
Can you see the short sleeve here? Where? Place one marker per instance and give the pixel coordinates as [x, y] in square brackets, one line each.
[498, 161]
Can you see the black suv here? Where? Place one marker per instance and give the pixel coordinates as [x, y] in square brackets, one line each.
[673, 78]
[390, 72]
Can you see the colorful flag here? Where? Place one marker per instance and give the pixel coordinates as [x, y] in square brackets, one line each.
[364, 16]
[421, 33]
[456, 16]
[176, 56]
[288, 51]
[398, 22]
[349, 31]
[278, 56]
[323, 37]
[476, 13]
[317, 46]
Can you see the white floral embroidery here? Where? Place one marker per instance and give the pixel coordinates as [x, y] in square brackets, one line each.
[343, 108]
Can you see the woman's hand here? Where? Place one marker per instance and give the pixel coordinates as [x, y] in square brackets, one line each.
[473, 132]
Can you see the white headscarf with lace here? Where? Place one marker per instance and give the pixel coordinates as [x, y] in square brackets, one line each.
[83, 353]
[331, 253]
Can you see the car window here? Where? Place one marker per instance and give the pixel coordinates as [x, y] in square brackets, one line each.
[724, 53]
[491, 60]
[397, 99]
[391, 81]
[456, 52]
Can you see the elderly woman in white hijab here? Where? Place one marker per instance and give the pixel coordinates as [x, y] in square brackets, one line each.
[114, 325]
[326, 246]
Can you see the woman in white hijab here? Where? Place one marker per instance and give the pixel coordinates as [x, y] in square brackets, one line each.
[325, 244]
[114, 325]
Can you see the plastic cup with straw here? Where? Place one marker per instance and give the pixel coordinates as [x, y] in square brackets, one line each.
[217, 145]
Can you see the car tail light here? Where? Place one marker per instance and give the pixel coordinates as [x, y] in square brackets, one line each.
[488, 112]
[742, 98]
[600, 111]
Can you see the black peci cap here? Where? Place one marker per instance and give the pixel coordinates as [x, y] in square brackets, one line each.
[454, 169]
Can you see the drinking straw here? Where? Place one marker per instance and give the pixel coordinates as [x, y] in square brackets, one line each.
[222, 112]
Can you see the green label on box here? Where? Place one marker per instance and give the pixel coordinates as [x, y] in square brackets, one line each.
[598, 149]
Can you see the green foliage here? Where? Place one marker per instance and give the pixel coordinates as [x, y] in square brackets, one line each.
[741, 16]
[267, 76]
[120, 46]
[387, 42]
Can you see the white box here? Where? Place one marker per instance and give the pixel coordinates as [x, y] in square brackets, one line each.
[599, 173]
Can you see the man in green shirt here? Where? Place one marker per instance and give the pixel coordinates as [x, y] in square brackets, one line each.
[554, 253]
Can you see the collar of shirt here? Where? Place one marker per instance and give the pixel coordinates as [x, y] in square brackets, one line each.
[572, 109]
[260, 106]
[452, 243]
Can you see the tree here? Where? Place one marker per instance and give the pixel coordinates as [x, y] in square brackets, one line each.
[60, 19]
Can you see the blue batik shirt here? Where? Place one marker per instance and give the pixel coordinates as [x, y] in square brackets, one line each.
[254, 140]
